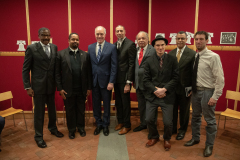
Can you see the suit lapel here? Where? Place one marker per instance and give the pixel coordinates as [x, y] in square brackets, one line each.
[52, 53]
[41, 51]
[103, 51]
[67, 56]
[146, 54]
[156, 62]
[183, 57]
[165, 62]
[81, 58]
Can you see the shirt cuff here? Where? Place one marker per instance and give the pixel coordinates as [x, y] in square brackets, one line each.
[27, 88]
[129, 82]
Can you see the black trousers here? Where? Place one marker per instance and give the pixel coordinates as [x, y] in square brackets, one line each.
[122, 101]
[184, 105]
[104, 94]
[39, 111]
[141, 107]
[151, 111]
[75, 111]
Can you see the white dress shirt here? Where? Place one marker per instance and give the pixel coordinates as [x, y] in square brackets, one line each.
[210, 72]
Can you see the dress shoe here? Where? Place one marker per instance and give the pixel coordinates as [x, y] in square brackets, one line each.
[191, 142]
[41, 144]
[167, 145]
[105, 131]
[71, 135]
[57, 134]
[98, 130]
[82, 132]
[180, 135]
[151, 142]
[119, 126]
[124, 131]
[207, 151]
[139, 128]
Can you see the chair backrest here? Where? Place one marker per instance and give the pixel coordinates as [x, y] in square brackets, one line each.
[233, 95]
[5, 96]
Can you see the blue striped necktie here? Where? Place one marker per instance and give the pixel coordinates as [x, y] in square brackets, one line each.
[99, 52]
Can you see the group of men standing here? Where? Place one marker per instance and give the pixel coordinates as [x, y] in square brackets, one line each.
[160, 79]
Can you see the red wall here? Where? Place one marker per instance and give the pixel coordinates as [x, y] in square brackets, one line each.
[167, 17]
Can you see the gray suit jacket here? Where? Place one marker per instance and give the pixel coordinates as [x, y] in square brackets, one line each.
[42, 69]
[185, 68]
[139, 70]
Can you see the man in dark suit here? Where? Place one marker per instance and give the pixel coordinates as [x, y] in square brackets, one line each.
[126, 51]
[185, 57]
[40, 60]
[160, 79]
[74, 82]
[103, 57]
[143, 53]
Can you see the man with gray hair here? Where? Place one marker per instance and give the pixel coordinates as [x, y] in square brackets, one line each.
[103, 56]
[144, 50]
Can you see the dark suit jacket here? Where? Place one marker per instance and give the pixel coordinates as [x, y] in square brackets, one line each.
[185, 69]
[139, 70]
[64, 72]
[42, 69]
[167, 77]
[105, 70]
[126, 61]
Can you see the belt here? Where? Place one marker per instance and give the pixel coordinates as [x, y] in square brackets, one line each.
[203, 88]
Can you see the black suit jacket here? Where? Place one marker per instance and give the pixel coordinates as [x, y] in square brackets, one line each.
[42, 69]
[167, 77]
[64, 72]
[126, 61]
[139, 69]
[185, 69]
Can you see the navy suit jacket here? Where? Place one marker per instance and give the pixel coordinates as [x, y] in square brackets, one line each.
[105, 70]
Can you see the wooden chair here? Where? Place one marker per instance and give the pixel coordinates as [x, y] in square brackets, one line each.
[233, 113]
[10, 111]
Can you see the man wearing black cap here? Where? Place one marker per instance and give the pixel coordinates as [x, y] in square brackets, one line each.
[160, 79]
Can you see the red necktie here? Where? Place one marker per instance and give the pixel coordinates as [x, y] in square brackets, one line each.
[140, 56]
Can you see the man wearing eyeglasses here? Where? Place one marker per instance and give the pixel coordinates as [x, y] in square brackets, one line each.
[185, 57]
[40, 60]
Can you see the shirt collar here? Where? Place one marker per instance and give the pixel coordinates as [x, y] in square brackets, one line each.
[202, 52]
[144, 48]
[181, 49]
[75, 51]
[102, 44]
[161, 57]
[43, 45]
[121, 40]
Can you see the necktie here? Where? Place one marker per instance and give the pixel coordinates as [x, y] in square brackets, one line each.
[140, 56]
[194, 74]
[161, 63]
[47, 51]
[178, 55]
[99, 52]
[118, 45]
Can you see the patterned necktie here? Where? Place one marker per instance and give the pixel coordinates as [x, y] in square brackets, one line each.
[178, 55]
[99, 52]
[161, 63]
[140, 56]
[194, 74]
[47, 51]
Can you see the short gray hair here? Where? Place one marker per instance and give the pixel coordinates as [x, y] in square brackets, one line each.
[99, 27]
[120, 26]
[142, 32]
